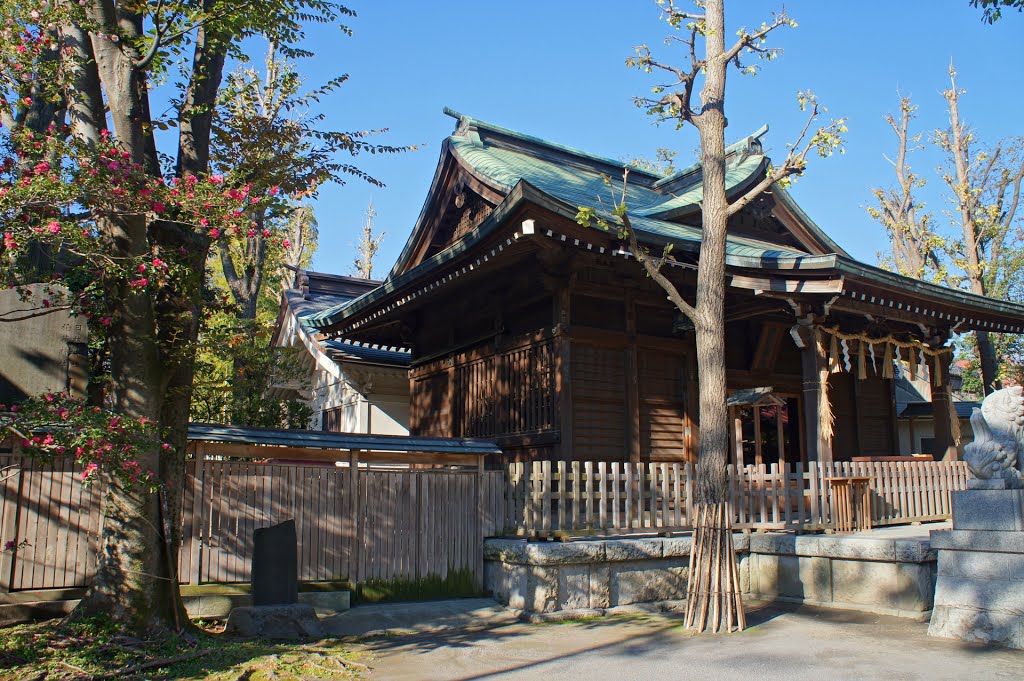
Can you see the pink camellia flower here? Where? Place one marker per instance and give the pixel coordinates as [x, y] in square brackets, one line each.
[274, 190]
[142, 267]
[215, 233]
[158, 207]
[43, 166]
[216, 179]
[54, 227]
[89, 470]
[204, 222]
[286, 243]
[266, 232]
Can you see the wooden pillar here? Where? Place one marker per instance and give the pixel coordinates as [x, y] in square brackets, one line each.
[737, 437]
[692, 407]
[632, 384]
[758, 454]
[945, 447]
[563, 376]
[781, 435]
[355, 527]
[813, 368]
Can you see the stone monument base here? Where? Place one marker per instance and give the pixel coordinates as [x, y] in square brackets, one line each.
[979, 592]
[293, 621]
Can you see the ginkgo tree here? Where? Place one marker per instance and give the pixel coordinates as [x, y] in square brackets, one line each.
[713, 596]
[128, 227]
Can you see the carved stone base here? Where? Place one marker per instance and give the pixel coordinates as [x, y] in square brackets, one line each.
[1000, 510]
[979, 591]
[995, 483]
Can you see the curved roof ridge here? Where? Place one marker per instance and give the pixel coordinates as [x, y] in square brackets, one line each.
[469, 123]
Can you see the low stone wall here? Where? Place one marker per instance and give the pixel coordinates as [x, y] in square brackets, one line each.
[889, 576]
[858, 572]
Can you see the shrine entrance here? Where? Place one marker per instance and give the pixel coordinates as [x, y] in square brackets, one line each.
[765, 428]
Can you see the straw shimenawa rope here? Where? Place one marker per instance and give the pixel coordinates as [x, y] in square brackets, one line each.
[918, 354]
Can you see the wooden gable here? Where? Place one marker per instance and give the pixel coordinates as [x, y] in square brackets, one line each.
[458, 202]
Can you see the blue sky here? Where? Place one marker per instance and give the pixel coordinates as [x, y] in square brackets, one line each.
[556, 70]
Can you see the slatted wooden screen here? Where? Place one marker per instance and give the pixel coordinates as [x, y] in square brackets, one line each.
[506, 393]
[386, 524]
[54, 518]
[597, 497]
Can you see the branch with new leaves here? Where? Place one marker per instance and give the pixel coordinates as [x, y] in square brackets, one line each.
[824, 141]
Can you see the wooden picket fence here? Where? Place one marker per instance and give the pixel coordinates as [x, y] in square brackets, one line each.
[585, 497]
[379, 524]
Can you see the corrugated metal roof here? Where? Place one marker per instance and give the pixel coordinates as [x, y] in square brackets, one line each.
[341, 351]
[213, 432]
[918, 409]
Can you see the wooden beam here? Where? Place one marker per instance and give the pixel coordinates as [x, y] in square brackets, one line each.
[332, 455]
[786, 284]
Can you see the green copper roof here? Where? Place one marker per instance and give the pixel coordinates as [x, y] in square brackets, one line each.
[528, 170]
[565, 176]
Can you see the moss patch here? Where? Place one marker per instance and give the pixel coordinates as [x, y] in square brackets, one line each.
[58, 651]
[458, 584]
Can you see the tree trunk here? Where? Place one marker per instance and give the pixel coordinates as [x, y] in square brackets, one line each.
[134, 585]
[988, 361]
[713, 596]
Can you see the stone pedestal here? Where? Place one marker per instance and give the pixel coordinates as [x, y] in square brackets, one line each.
[275, 621]
[979, 592]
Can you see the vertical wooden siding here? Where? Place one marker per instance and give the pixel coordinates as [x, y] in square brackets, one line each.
[389, 524]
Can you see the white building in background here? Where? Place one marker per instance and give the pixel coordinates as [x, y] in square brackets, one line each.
[916, 423]
[352, 388]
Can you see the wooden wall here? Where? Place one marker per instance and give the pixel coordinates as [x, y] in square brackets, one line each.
[574, 359]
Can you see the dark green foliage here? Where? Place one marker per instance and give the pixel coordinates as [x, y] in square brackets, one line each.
[992, 10]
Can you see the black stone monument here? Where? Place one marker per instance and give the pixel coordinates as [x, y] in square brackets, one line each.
[275, 565]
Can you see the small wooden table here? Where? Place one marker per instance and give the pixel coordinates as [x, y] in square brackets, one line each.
[852, 503]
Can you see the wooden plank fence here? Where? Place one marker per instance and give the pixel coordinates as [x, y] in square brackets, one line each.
[379, 524]
[585, 497]
[384, 524]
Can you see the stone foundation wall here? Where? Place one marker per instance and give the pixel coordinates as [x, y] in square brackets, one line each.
[858, 572]
[887, 576]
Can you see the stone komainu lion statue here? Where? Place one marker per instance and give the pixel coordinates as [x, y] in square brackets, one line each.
[996, 452]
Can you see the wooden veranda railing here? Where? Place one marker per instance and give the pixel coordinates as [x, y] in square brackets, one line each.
[584, 497]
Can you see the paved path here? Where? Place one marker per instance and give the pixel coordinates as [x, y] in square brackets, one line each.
[790, 644]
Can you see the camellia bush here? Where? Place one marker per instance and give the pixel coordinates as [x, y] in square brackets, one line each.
[119, 232]
[106, 445]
